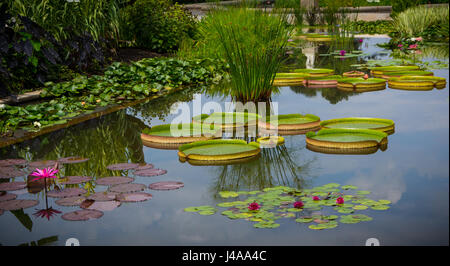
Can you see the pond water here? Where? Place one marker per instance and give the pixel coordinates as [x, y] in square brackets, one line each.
[413, 172]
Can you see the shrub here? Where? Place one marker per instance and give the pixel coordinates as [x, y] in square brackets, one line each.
[156, 24]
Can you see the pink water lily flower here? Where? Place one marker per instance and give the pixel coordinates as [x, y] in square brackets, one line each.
[366, 76]
[342, 52]
[400, 45]
[290, 40]
[298, 204]
[254, 206]
[419, 39]
[413, 46]
[316, 198]
[47, 213]
[340, 200]
[360, 40]
[44, 173]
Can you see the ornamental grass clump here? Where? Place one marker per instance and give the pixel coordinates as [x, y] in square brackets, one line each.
[253, 43]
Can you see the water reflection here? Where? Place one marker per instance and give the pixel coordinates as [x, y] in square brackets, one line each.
[332, 95]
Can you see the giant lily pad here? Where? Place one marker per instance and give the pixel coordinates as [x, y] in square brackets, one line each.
[361, 84]
[179, 134]
[72, 159]
[67, 192]
[82, 215]
[345, 140]
[166, 185]
[417, 83]
[379, 71]
[385, 125]
[289, 79]
[113, 180]
[151, 172]
[17, 204]
[70, 201]
[293, 122]
[122, 166]
[390, 75]
[218, 150]
[316, 72]
[126, 188]
[134, 197]
[227, 119]
[8, 196]
[72, 180]
[11, 186]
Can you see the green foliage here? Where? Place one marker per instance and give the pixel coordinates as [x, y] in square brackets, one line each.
[252, 42]
[156, 24]
[372, 27]
[296, 8]
[429, 23]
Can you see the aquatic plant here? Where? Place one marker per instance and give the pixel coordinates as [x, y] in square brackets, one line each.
[266, 206]
[45, 173]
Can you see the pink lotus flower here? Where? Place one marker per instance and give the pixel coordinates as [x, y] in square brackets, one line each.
[44, 173]
[366, 76]
[342, 52]
[413, 46]
[340, 200]
[316, 198]
[298, 204]
[360, 40]
[254, 206]
[400, 45]
[419, 39]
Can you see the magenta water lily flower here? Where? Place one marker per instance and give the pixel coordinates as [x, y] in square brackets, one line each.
[298, 204]
[254, 206]
[340, 200]
[290, 40]
[360, 40]
[316, 198]
[400, 45]
[413, 46]
[44, 173]
[342, 52]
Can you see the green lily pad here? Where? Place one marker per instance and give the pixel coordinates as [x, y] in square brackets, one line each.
[363, 192]
[360, 207]
[228, 194]
[347, 187]
[380, 207]
[304, 220]
[384, 202]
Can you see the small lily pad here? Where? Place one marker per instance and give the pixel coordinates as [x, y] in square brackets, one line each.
[127, 188]
[144, 167]
[380, 207]
[11, 186]
[363, 192]
[72, 159]
[360, 207]
[103, 196]
[134, 197]
[72, 180]
[82, 215]
[65, 193]
[103, 205]
[166, 185]
[347, 187]
[113, 180]
[385, 202]
[71, 201]
[206, 210]
[228, 194]
[42, 164]
[304, 220]
[122, 166]
[344, 210]
[150, 172]
[8, 196]
[11, 162]
[266, 225]
[7, 172]
[17, 204]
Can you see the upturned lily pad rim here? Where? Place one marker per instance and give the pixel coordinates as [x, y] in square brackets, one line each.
[315, 71]
[156, 130]
[389, 124]
[221, 157]
[291, 75]
[380, 138]
[252, 118]
[390, 75]
[197, 132]
[417, 82]
[394, 68]
[264, 141]
[356, 81]
[307, 125]
[324, 78]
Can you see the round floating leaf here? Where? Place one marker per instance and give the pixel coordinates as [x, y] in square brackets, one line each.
[127, 188]
[206, 212]
[72, 180]
[204, 208]
[228, 194]
[134, 197]
[103, 196]
[344, 210]
[11, 186]
[384, 202]
[42, 164]
[166, 185]
[7, 172]
[304, 220]
[331, 217]
[8, 196]
[294, 210]
[113, 180]
[347, 187]
[331, 185]
[82, 215]
[103, 205]
[363, 192]
[71, 201]
[361, 217]
[122, 166]
[151, 172]
[321, 226]
[360, 207]
[16, 204]
[266, 225]
[11, 162]
[380, 207]
[67, 192]
[144, 167]
[72, 159]
[348, 219]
